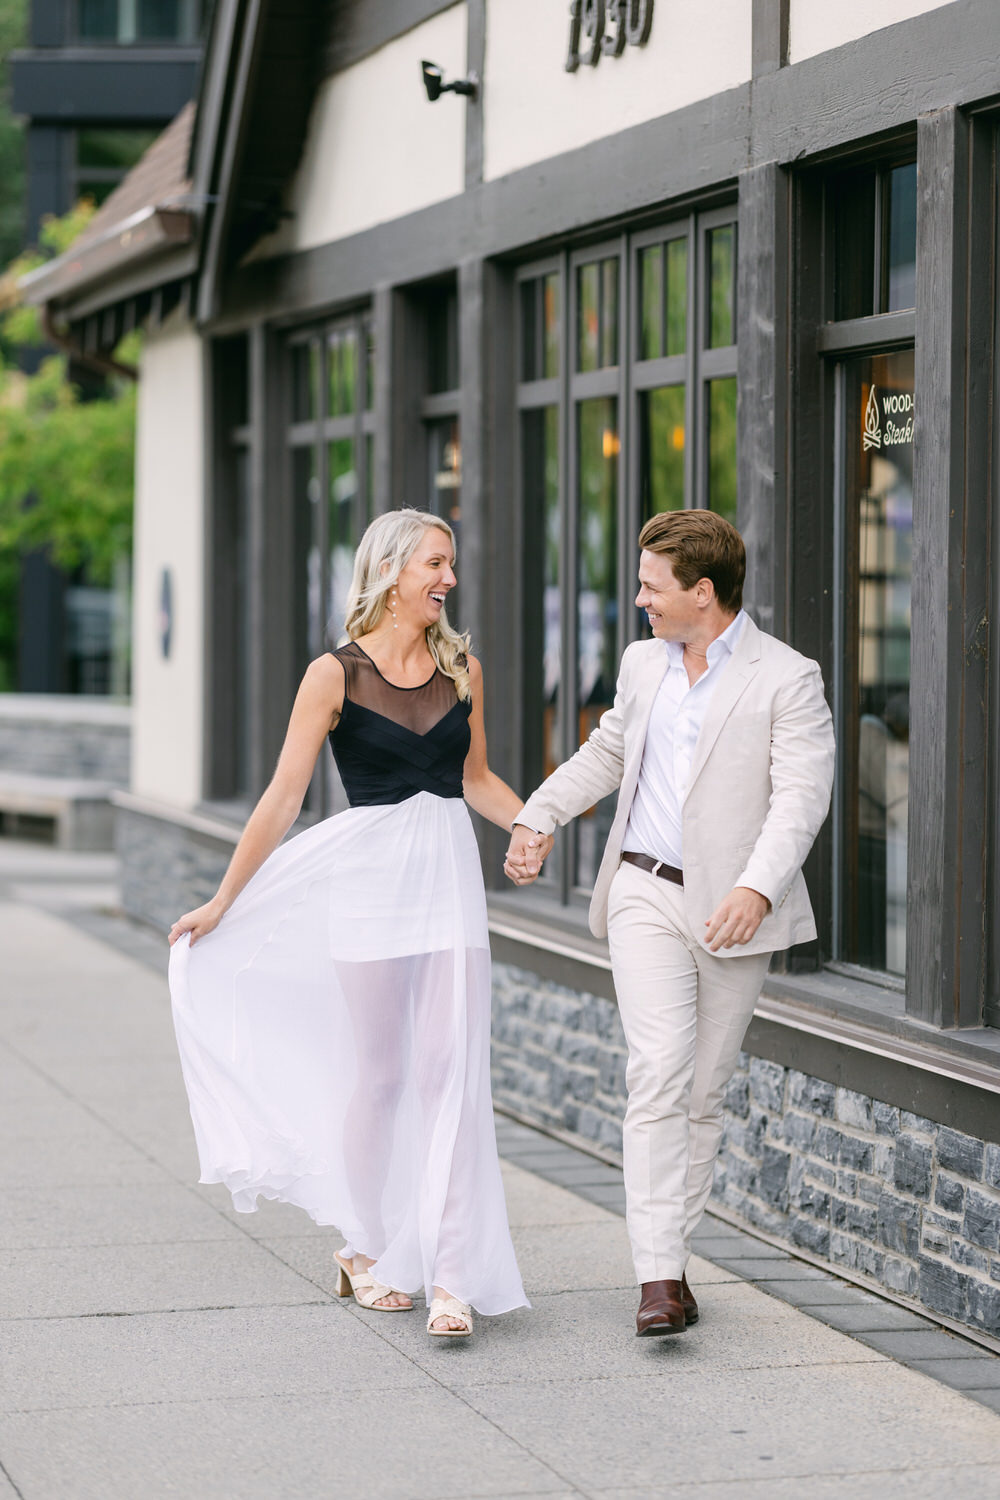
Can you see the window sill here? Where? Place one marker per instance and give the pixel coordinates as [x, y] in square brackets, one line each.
[813, 1021]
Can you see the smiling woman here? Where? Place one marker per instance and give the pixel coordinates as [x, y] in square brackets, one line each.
[332, 1001]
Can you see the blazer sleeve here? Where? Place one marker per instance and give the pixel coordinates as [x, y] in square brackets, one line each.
[594, 771]
[802, 764]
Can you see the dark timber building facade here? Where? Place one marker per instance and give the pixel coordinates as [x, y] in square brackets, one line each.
[742, 256]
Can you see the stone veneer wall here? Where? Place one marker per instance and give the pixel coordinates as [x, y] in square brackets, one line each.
[903, 1200]
[67, 736]
[166, 868]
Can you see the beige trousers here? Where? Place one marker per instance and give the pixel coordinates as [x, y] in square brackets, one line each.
[685, 1012]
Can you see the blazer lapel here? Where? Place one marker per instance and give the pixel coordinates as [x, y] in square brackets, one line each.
[645, 696]
[738, 671]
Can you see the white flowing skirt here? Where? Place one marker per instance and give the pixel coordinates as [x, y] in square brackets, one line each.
[334, 1034]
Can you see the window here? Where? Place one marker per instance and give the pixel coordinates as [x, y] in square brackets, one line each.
[125, 21]
[626, 400]
[104, 156]
[871, 213]
[332, 448]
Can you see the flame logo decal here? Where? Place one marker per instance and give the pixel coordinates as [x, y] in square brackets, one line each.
[872, 435]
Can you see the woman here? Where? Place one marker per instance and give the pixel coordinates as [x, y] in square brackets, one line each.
[332, 1000]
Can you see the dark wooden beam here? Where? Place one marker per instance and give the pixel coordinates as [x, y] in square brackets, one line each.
[769, 47]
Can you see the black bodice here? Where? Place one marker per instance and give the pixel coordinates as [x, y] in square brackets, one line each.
[391, 743]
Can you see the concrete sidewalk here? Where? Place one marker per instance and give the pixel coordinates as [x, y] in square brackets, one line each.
[155, 1343]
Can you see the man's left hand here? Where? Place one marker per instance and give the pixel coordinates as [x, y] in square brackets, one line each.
[736, 919]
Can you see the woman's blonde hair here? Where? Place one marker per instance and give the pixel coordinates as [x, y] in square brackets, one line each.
[386, 547]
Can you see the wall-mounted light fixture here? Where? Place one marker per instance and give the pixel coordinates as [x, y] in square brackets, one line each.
[435, 85]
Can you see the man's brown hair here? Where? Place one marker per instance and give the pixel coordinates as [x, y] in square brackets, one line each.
[700, 544]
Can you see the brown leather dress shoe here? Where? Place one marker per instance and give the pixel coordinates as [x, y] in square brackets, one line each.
[688, 1303]
[661, 1309]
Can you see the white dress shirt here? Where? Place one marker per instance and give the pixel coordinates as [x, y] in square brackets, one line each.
[655, 818]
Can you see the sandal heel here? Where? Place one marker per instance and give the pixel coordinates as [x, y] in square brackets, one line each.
[344, 1288]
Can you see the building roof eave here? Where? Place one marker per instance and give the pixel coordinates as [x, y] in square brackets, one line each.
[142, 237]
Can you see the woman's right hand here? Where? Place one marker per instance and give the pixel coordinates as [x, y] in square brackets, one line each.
[199, 922]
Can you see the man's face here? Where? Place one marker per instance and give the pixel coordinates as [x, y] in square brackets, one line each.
[670, 610]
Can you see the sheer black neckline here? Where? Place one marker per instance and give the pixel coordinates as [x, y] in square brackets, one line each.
[415, 689]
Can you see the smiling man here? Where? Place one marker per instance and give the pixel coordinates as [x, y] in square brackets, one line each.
[721, 743]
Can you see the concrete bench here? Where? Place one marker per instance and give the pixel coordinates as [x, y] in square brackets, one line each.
[80, 810]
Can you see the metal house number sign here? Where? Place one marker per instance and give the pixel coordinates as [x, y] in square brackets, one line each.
[605, 26]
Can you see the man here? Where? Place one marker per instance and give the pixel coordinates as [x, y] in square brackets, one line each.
[721, 743]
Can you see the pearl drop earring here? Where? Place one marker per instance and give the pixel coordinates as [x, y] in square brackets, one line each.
[392, 610]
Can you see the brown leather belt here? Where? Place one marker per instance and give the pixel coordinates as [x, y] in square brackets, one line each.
[654, 866]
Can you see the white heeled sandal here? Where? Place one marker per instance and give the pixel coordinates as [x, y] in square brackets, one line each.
[367, 1292]
[450, 1307]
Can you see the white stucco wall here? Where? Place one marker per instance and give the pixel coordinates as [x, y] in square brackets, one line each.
[815, 26]
[533, 108]
[169, 526]
[376, 149]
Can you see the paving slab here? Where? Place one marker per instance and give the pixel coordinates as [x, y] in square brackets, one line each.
[952, 1482]
[91, 1153]
[144, 1278]
[54, 1363]
[806, 1292]
[923, 1343]
[590, 1336]
[532, 1200]
[870, 1317]
[833, 1418]
[976, 1372]
[427, 1445]
[99, 1214]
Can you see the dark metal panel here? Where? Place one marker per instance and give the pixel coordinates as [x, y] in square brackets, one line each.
[50, 152]
[475, 63]
[947, 734]
[384, 315]
[362, 26]
[120, 84]
[770, 36]
[762, 389]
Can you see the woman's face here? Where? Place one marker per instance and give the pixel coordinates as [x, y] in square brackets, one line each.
[427, 579]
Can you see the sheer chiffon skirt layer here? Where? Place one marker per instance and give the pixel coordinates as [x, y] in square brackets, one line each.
[334, 1036]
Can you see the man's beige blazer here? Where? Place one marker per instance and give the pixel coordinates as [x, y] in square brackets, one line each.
[759, 789]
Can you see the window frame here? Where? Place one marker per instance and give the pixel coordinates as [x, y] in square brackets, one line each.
[626, 382]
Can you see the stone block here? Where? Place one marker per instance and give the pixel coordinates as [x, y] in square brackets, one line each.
[853, 1109]
[821, 1173]
[935, 1240]
[981, 1222]
[960, 1153]
[870, 1189]
[797, 1130]
[847, 1183]
[767, 1084]
[884, 1160]
[984, 1305]
[912, 1166]
[843, 1249]
[814, 1201]
[967, 1255]
[810, 1235]
[838, 1213]
[899, 1276]
[862, 1220]
[756, 1130]
[737, 1100]
[871, 1260]
[991, 1166]
[810, 1094]
[941, 1287]
[898, 1224]
[949, 1193]
[885, 1118]
[773, 1177]
[918, 1124]
[857, 1153]
[826, 1143]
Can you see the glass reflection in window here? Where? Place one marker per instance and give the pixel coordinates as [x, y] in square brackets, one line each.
[902, 246]
[543, 603]
[879, 504]
[722, 286]
[597, 602]
[597, 314]
[662, 440]
[722, 447]
[342, 532]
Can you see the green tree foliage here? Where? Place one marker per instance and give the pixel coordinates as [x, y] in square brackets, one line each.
[72, 456]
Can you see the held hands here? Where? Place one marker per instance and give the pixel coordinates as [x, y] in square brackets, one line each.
[525, 854]
[199, 923]
[736, 918]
